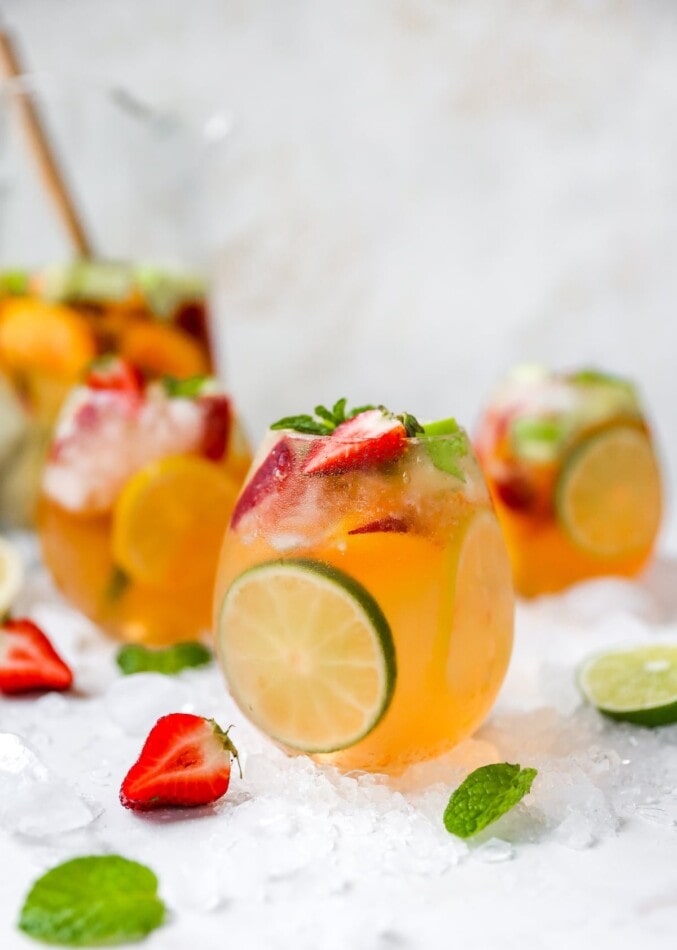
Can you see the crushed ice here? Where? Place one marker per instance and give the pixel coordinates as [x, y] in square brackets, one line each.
[290, 824]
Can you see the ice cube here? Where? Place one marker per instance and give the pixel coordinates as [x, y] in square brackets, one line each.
[494, 851]
[135, 703]
[33, 801]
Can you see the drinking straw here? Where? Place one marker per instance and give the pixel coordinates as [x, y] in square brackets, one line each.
[43, 151]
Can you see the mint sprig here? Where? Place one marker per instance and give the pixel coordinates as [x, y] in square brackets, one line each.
[135, 658]
[485, 795]
[324, 420]
[91, 901]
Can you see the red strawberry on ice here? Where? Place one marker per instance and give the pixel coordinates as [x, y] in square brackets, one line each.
[370, 438]
[28, 661]
[267, 480]
[185, 762]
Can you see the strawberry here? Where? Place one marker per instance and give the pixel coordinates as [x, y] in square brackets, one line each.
[390, 523]
[185, 762]
[113, 373]
[370, 438]
[218, 417]
[268, 478]
[28, 660]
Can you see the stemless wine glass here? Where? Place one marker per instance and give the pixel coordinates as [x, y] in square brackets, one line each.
[364, 611]
[570, 461]
[135, 175]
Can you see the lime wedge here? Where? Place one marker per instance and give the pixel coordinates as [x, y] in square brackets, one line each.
[11, 575]
[308, 654]
[637, 685]
[608, 495]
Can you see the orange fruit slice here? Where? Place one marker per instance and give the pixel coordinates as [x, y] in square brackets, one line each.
[169, 522]
[608, 496]
[162, 350]
[44, 337]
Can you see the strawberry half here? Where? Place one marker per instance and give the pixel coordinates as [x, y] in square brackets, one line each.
[389, 524]
[370, 438]
[114, 373]
[185, 762]
[268, 478]
[28, 660]
[218, 416]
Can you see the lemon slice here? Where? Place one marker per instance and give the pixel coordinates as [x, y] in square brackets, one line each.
[608, 496]
[638, 685]
[11, 575]
[308, 654]
[169, 522]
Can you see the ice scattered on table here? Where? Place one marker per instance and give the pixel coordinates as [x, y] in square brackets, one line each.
[33, 801]
[291, 827]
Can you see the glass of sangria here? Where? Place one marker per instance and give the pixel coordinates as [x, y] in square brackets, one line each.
[136, 178]
[572, 468]
[364, 603]
[139, 484]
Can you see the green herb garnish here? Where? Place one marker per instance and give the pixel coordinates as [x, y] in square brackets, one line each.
[446, 443]
[135, 658]
[187, 388]
[484, 796]
[93, 901]
[324, 421]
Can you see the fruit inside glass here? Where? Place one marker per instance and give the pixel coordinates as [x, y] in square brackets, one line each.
[364, 603]
[571, 464]
[139, 484]
[136, 179]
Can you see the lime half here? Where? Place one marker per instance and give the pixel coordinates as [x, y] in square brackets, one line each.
[308, 654]
[638, 685]
[608, 496]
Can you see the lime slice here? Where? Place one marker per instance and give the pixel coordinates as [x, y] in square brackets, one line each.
[608, 495]
[11, 575]
[308, 654]
[638, 685]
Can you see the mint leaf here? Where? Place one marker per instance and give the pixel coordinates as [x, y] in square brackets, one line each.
[326, 414]
[92, 901]
[187, 388]
[445, 451]
[305, 424]
[339, 410]
[485, 795]
[135, 658]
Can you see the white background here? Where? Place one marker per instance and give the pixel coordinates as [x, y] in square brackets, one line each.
[416, 193]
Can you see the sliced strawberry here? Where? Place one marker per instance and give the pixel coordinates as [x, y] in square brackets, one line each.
[370, 438]
[114, 373]
[28, 660]
[391, 523]
[218, 416]
[268, 478]
[185, 762]
[516, 492]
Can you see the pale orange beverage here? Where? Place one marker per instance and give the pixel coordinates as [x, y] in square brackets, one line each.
[55, 320]
[364, 604]
[570, 461]
[138, 488]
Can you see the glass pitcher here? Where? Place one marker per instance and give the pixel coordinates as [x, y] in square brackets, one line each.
[136, 177]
